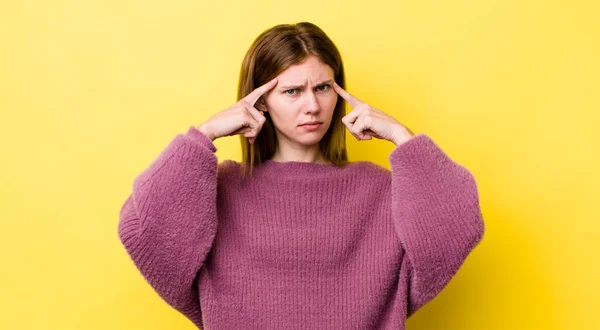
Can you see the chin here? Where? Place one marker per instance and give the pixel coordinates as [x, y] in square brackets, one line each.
[310, 140]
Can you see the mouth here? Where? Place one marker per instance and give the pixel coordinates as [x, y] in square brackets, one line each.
[312, 126]
[311, 123]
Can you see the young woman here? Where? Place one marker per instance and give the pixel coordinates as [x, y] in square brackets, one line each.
[307, 240]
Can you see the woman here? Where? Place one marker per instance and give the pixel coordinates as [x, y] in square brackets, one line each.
[308, 240]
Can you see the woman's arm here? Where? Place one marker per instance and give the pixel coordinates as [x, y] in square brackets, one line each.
[436, 213]
[169, 221]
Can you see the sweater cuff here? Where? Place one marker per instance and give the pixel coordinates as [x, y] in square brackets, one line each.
[195, 134]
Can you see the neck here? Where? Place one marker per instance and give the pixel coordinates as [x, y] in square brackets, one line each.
[288, 153]
[318, 159]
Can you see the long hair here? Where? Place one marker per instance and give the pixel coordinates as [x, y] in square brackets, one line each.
[272, 52]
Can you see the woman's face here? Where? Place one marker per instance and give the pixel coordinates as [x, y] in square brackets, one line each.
[304, 93]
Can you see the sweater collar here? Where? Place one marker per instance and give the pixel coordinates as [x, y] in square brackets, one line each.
[296, 169]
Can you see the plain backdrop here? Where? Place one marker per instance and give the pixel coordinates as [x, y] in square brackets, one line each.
[92, 91]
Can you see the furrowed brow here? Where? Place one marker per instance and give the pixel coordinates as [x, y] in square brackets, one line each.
[302, 86]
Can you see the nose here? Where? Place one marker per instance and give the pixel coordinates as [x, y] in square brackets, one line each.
[312, 103]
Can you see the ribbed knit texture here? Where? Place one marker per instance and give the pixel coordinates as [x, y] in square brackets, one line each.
[300, 245]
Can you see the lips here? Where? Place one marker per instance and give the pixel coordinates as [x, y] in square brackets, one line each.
[311, 123]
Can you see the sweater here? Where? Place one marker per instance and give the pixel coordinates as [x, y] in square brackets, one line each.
[300, 245]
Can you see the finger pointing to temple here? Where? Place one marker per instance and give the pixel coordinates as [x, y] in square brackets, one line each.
[258, 92]
[352, 100]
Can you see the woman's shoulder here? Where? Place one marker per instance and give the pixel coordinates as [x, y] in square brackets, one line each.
[227, 167]
[371, 169]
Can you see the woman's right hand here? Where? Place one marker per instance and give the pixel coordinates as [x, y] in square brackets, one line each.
[240, 118]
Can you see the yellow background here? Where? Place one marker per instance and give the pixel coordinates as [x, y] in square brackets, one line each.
[91, 91]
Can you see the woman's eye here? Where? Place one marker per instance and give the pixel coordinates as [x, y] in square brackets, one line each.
[326, 87]
[321, 88]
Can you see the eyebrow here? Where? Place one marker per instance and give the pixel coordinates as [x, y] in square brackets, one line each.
[302, 86]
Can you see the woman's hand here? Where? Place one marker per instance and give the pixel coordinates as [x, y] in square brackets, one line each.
[364, 121]
[240, 118]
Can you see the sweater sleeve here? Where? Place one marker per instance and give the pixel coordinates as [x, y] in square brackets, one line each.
[436, 213]
[168, 222]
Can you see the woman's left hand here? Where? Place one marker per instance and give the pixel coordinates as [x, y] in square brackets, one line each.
[364, 121]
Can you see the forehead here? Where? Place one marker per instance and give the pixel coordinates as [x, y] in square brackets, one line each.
[312, 70]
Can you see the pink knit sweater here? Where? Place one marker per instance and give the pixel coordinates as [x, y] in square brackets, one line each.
[300, 245]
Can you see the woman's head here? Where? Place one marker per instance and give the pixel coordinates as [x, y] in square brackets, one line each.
[306, 62]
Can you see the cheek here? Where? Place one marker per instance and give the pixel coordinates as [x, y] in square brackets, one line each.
[287, 107]
[329, 101]
[278, 101]
[279, 109]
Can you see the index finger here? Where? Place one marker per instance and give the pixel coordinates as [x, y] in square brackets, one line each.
[258, 92]
[352, 100]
